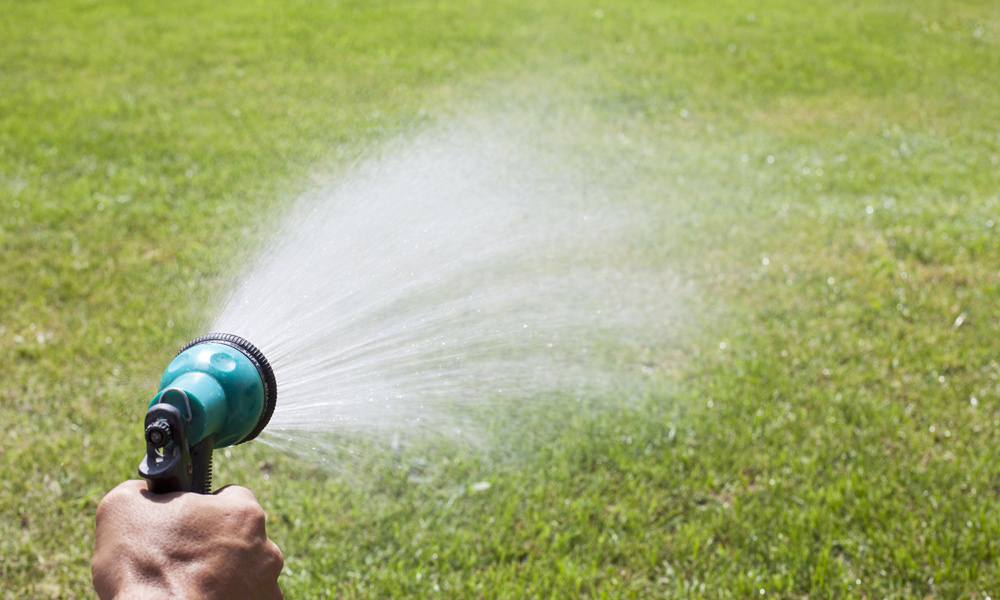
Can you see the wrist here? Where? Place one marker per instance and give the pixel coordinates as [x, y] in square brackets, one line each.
[140, 591]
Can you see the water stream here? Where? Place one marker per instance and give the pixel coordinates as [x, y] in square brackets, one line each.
[452, 276]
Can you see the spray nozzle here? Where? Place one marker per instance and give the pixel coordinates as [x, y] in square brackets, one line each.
[218, 391]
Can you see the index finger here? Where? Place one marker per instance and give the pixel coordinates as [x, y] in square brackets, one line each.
[235, 491]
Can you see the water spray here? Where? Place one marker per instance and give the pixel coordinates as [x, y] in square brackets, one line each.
[453, 280]
[218, 391]
[450, 282]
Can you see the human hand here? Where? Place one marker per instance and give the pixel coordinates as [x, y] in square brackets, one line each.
[183, 545]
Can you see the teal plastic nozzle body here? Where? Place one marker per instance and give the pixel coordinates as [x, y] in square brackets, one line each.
[218, 391]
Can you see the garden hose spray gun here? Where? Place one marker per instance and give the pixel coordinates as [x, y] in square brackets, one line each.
[218, 391]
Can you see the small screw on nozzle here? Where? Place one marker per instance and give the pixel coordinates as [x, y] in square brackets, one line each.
[158, 433]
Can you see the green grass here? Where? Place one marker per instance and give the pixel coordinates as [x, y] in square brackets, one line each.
[827, 425]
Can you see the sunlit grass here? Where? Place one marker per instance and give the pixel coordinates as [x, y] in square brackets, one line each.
[825, 177]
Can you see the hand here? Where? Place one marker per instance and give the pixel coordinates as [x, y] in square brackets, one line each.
[183, 545]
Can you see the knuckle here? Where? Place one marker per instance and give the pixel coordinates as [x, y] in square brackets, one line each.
[272, 562]
[111, 502]
[277, 558]
[103, 508]
[252, 513]
[237, 492]
[250, 519]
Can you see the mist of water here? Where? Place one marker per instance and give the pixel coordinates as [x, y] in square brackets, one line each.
[456, 275]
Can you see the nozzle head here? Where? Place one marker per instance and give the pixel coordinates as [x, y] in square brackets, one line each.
[223, 386]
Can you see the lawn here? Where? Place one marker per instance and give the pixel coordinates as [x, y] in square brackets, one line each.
[825, 179]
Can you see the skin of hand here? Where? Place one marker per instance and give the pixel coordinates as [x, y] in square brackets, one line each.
[183, 545]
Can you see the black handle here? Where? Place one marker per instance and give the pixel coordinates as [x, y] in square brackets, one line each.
[170, 465]
[201, 459]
